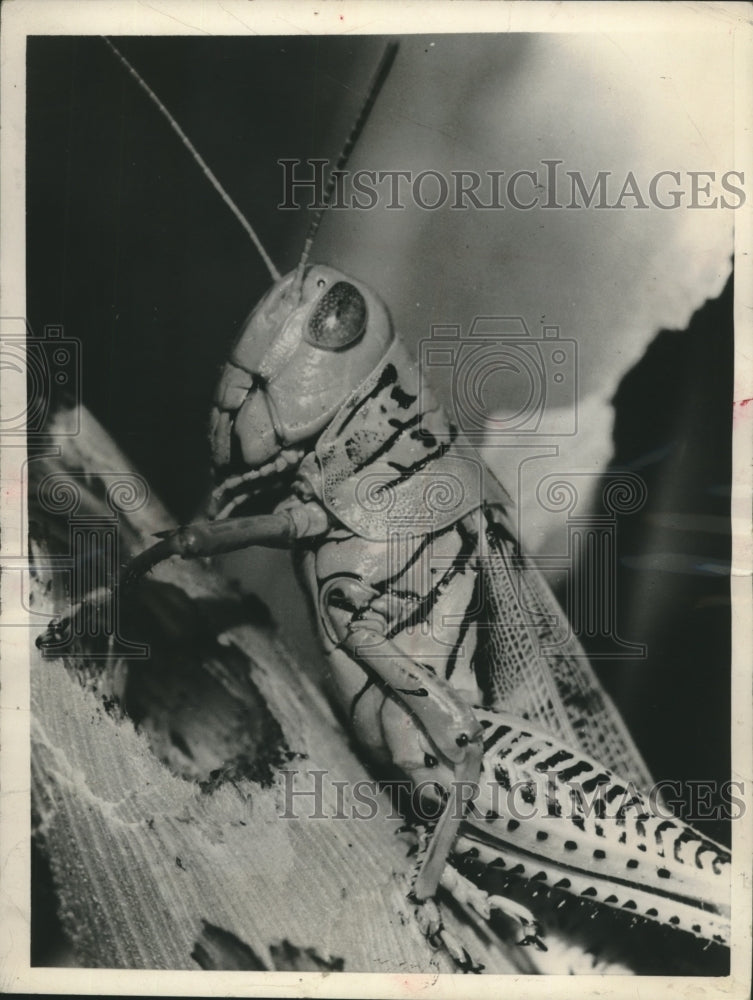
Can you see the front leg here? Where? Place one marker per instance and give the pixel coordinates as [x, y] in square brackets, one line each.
[205, 538]
[211, 538]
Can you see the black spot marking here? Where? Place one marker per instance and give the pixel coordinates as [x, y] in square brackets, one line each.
[541, 835]
[630, 905]
[697, 928]
[502, 777]
[512, 824]
[426, 438]
[528, 793]
[590, 784]
[553, 807]
[564, 883]
[403, 399]
[430, 761]
[621, 813]
[539, 877]
[611, 899]
[632, 863]
[590, 891]
[579, 822]
[613, 792]
[662, 873]
[568, 773]
[570, 845]
[599, 854]
[518, 870]
[667, 824]
[652, 912]
[641, 847]
[557, 758]
[674, 921]
[685, 837]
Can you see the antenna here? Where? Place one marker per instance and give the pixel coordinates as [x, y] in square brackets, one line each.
[382, 72]
[199, 159]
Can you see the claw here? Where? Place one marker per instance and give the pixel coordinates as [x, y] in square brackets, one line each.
[53, 634]
[534, 939]
[430, 921]
[171, 543]
[520, 915]
[459, 954]
[59, 629]
[195, 540]
[470, 895]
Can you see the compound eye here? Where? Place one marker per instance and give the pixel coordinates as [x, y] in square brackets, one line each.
[339, 319]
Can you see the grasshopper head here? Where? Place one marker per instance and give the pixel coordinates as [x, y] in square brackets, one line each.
[298, 357]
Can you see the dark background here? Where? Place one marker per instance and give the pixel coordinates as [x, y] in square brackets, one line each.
[130, 249]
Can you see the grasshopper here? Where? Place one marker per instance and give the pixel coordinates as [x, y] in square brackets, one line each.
[448, 653]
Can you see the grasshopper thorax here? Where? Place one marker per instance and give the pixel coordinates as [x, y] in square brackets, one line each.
[298, 357]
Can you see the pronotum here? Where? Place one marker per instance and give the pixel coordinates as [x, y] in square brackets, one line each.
[443, 640]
